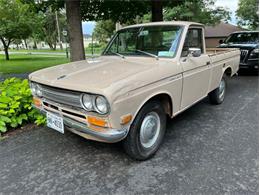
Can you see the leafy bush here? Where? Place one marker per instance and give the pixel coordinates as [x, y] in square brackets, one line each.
[15, 105]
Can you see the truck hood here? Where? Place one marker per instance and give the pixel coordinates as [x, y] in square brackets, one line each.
[99, 74]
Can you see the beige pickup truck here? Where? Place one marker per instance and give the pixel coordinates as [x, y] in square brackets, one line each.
[146, 73]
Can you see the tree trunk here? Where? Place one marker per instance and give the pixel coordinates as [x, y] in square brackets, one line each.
[35, 44]
[50, 45]
[54, 46]
[25, 43]
[6, 53]
[6, 45]
[77, 51]
[157, 10]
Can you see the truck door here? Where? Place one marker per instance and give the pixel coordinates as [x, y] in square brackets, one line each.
[196, 70]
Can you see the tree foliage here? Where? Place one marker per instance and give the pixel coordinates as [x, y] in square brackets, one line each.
[202, 11]
[45, 23]
[104, 30]
[248, 13]
[49, 27]
[15, 22]
[115, 10]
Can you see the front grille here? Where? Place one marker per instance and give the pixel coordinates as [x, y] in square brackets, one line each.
[67, 97]
[243, 55]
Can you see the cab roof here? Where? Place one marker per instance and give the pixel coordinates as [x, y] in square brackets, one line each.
[177, 23]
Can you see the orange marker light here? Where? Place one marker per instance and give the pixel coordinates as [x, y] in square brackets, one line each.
[37, 102]
[126, 119]
[97, 121]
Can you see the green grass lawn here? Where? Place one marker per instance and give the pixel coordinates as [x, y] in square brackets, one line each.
[24, 63]
[96, 51]
[88, 50]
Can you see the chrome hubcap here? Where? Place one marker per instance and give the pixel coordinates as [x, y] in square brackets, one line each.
[150, 129]
[222, 88]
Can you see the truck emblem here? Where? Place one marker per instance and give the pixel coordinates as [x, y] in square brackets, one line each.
[61, 77]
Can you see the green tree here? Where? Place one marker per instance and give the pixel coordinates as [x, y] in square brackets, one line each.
[202, 11]
[248, 13]
[38, 32]
[104, 30]
[48, 27]
[15, 22]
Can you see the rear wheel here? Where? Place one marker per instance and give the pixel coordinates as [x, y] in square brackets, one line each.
[217, 96]
[146, 132]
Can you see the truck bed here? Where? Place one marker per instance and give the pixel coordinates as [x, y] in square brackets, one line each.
[224, 57]
[217, 51]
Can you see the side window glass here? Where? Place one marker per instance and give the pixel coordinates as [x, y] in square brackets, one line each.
[193, 40]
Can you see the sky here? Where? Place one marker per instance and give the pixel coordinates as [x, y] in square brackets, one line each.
[231, 5]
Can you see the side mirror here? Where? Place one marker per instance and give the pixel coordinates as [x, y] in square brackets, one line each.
[194, 52]
[221, 41]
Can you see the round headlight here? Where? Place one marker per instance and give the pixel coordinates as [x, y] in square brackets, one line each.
[38, 91]
[87, 102]
[101, 105]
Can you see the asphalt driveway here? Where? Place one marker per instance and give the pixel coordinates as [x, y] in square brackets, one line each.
[207, 150]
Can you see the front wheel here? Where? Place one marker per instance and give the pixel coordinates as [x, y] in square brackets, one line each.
[217, 96]
[146, 132]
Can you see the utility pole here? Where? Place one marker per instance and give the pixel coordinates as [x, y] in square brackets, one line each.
[58, 29]
[65, 34]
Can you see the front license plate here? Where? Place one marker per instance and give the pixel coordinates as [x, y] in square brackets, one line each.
[55, 122]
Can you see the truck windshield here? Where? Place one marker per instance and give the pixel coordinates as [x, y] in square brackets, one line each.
[245, 37]
[153, 41]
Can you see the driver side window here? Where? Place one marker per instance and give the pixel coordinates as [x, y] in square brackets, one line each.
[193, 40]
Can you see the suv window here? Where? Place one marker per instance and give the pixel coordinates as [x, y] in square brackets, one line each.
[193, 40]
[244, 37]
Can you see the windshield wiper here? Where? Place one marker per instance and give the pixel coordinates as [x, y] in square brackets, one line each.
[118, 54]
[147, 53]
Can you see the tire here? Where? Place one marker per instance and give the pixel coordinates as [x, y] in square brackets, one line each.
[146, 132]
[217, 96]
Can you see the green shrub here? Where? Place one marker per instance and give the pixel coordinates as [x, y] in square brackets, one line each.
[16, 105]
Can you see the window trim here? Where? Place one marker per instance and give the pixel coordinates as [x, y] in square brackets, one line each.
[202, 39]
[140, 29]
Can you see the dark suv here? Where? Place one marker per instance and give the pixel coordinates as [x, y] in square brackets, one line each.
[248, 43]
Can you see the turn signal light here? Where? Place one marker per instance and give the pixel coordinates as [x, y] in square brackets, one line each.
[126, 119]
[97, 121]
[37, 102]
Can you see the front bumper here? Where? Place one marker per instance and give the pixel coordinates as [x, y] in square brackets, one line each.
[107, 135]
[250, 64]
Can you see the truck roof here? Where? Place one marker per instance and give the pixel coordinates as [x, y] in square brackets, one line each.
[180, 23]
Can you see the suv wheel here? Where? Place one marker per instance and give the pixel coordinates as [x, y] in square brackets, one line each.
[146, 132]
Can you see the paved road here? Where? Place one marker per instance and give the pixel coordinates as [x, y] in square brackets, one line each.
[17, 75]
[207, 150]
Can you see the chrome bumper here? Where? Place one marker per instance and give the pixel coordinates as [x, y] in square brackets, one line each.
[108, 135]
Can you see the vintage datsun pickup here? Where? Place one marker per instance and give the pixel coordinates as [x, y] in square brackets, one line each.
[146, 73]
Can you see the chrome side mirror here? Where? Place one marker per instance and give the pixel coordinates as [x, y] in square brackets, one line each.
[194, 52]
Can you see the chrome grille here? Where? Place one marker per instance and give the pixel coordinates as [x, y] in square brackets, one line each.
[70, 98]
[243, 55]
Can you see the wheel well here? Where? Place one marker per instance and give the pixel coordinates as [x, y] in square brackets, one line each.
[166, 102]
[228, 71]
